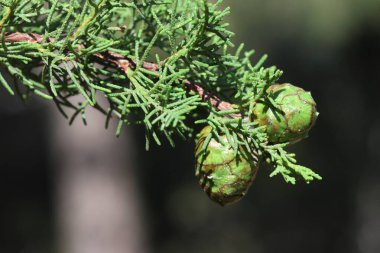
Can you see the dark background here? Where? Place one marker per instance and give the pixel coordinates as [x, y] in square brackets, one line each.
[331, 48]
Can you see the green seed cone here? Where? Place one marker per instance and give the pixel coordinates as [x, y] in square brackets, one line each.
[224, 177]
[298, 115]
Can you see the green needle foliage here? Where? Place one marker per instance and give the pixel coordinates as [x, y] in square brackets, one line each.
[66, 48]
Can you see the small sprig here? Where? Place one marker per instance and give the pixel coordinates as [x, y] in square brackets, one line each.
[286, 165]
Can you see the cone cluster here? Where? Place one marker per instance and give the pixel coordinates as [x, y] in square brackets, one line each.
[225, 177]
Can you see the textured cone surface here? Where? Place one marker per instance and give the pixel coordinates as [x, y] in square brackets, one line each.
[222, 176]
[297, 116]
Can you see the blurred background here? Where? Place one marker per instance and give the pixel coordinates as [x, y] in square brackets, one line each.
[79, 189]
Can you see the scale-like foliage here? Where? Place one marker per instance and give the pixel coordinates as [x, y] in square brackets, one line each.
[168, 65]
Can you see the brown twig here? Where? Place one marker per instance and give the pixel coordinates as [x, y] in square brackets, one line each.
[123, 63]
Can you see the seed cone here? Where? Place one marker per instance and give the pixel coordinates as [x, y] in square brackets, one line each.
[297, 114]
[223, 176]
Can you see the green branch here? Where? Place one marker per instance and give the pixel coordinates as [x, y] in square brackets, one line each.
[168, 65]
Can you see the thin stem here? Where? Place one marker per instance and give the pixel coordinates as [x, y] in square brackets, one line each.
[123, 63]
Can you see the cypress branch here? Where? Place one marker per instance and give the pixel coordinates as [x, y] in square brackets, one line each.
[168, 65]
